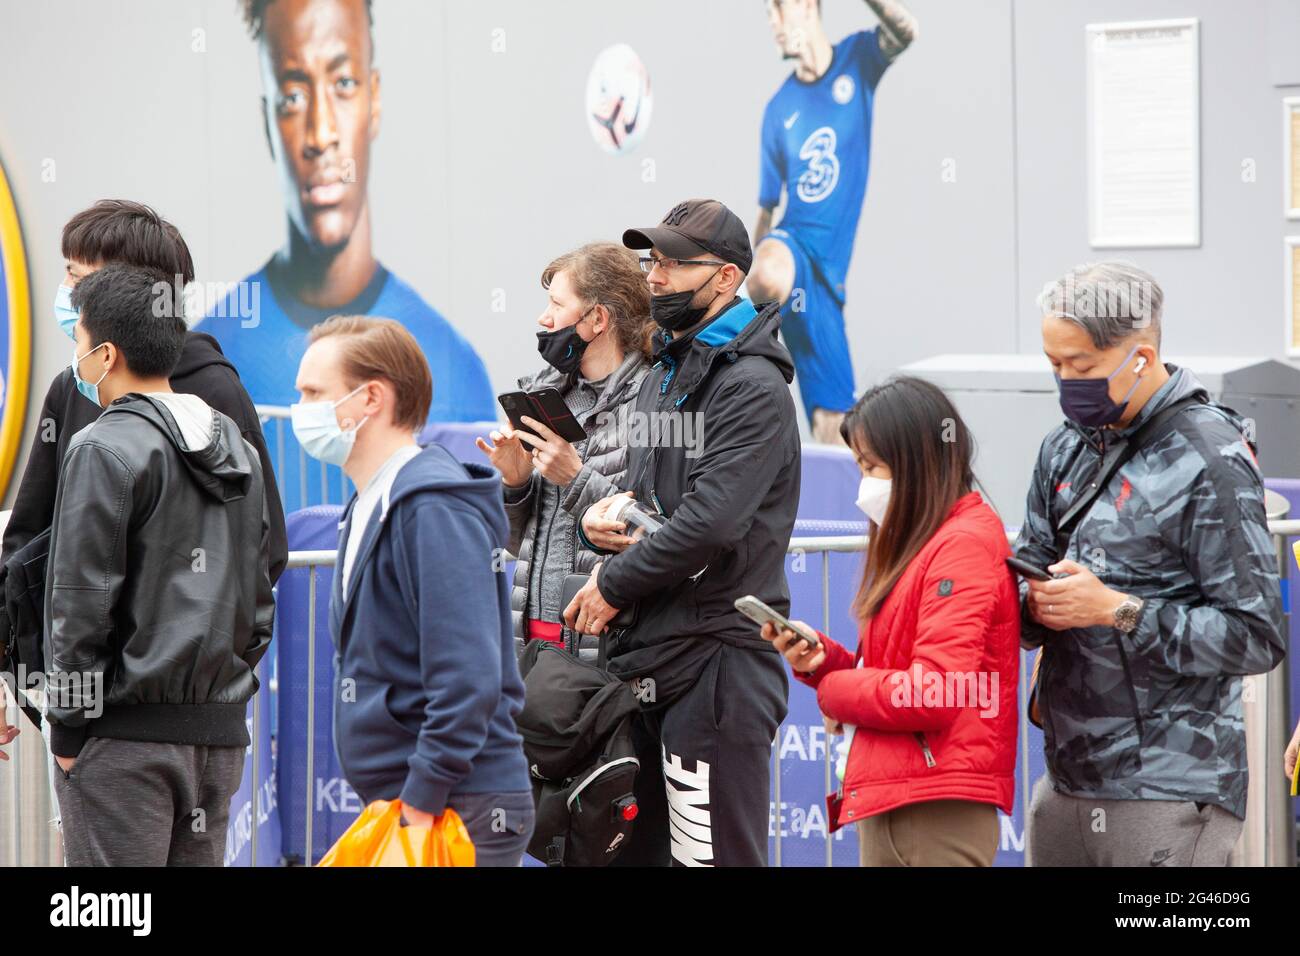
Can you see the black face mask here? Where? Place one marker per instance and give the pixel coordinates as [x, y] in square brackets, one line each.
[673, 311]
[563, 348]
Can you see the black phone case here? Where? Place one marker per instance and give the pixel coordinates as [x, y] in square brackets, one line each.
[556, 413]
[515, 405]
[1015, 565]
[547, 407]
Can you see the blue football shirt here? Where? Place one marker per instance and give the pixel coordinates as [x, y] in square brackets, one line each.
[817, 144]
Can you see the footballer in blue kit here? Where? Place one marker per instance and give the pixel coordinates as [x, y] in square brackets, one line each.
[816, 148]
[321, 109]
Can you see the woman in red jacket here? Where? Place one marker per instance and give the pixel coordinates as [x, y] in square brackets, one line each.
[928, 703]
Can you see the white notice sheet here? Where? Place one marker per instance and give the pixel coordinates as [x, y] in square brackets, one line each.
[1144, 167]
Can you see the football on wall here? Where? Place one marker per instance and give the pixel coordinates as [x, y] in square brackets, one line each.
[618, 99]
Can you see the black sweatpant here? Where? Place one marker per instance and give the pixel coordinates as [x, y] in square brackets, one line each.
[139, 803]
[706, 759]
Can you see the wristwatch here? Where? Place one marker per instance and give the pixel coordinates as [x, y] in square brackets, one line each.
[1126, 615]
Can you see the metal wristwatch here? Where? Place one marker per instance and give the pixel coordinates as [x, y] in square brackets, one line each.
[1127, 614]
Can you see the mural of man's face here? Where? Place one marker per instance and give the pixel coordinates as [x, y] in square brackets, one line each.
[322, 111]
[790, 21]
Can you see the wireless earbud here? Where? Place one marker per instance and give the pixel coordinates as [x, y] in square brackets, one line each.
[1142, 363]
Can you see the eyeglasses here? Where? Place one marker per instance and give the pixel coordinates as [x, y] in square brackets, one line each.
[668, 265]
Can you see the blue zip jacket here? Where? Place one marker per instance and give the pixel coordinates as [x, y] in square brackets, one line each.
[426, 684]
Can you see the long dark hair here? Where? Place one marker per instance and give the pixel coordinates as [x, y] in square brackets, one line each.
[912, 427]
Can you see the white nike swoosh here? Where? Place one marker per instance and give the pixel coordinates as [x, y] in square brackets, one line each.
[790, 122]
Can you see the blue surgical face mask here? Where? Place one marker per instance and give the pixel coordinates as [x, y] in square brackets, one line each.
[91, 391]
[317, 429]
[1087, 400]
[64, 313]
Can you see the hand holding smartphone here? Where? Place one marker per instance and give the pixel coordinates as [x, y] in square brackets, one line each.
[547, 406]
[761, 614]
[1031, 572]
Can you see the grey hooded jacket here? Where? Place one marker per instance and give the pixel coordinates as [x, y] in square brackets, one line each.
[604, 458]
[1156, 714]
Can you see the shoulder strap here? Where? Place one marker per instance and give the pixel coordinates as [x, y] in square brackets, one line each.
[1115, 459]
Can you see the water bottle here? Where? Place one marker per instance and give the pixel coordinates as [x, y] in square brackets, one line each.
[641, 519]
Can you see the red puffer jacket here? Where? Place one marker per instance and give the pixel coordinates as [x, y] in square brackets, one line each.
[934, 700]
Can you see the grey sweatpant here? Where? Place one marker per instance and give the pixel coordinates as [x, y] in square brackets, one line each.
[1065, 830]
[138, 803]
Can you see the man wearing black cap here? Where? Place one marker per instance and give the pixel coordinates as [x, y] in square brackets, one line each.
[713, 693]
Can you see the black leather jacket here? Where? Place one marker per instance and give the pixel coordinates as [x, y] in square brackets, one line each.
[157, 579]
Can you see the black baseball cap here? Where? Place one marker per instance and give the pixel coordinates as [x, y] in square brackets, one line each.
[697, 227]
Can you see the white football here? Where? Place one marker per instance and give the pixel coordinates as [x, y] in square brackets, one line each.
[618, 99]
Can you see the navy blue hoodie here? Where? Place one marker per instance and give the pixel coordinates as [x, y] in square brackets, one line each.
[424, 642]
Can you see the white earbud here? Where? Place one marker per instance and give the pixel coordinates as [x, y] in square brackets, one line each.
[1142, 363]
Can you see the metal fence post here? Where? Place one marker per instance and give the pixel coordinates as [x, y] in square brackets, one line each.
[257, 781]
[826, 629]
[311, 710]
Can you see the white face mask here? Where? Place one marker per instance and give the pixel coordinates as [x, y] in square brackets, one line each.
[316, 426]
[873, 498]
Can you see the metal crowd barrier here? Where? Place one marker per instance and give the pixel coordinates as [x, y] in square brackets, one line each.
[275, 422]
[1268, 839]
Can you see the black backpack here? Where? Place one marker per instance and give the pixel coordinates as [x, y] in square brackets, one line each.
[22, 617]
[577, 730]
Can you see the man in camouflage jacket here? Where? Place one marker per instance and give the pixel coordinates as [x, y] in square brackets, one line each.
[1170, 596]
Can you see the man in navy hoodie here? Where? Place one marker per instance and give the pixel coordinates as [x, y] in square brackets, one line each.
[427, 688]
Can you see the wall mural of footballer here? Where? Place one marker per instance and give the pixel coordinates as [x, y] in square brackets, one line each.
[816, 146]
[321, 109]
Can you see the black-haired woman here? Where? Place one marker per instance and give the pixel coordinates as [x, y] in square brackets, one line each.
[928, 703]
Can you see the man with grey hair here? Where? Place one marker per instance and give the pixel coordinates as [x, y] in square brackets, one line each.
[1146, 508]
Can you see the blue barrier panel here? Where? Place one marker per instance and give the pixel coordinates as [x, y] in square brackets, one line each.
[334, 804]
[458, 438]
[239, 831]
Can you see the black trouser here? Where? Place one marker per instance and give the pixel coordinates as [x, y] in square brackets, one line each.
[705, 766]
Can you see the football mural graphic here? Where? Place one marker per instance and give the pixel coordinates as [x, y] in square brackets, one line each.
[619, 100]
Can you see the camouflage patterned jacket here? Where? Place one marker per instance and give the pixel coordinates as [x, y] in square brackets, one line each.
[1157, 714]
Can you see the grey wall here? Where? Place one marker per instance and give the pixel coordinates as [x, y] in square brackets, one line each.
[484, 168]
[1227, 295]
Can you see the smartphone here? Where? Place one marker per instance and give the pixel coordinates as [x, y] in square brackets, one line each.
[761, 614]
[516, 405]
[556, 414]
[546, 406]
[1027, 570]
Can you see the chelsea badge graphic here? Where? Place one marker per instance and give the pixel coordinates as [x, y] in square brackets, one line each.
[15, 332]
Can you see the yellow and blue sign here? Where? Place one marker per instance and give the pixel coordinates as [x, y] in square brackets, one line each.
[15, 332]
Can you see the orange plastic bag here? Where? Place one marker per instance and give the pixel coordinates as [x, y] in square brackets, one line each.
[377, 838]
